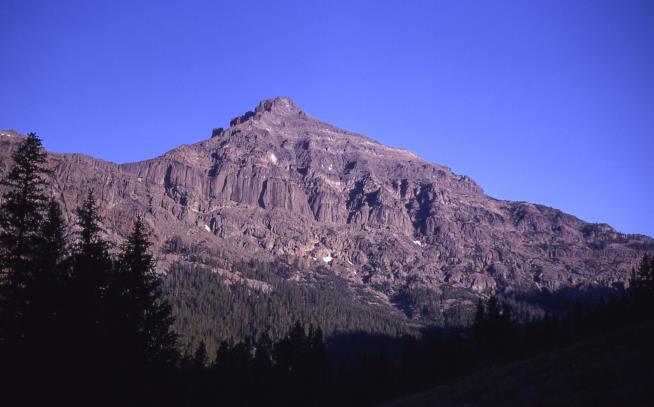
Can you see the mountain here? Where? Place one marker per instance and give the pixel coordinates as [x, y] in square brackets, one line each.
[279, 186]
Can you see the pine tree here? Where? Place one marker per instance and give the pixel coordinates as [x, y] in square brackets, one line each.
[200, 358]
[24, 203]
[507, 315]
[21, 216]
[641, 285]
[317, 356]
[145, 319]
[29, 274]
[493, 309]
[263, 357]
[52, 240]
[479, 323]
[646, 274]
[91, 271]
[49, 274]
[317, 341]
[47, 336]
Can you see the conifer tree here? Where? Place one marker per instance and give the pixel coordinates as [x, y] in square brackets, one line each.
[641, 285]
[145, 318]
[49, 274]
[493, 309]
[90, 277]
[318, 355]
[200, 359]
[52, 240]
[263, 356]
[21, 216]
[479, 323]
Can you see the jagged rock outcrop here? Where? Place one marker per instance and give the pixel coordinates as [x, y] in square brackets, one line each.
[279, 185]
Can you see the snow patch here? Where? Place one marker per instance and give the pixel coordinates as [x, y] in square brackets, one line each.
[207, 228]
[350, 263]
[327, 259]
[331, 167]
[417, 243]
[272, 157]
[335, 184]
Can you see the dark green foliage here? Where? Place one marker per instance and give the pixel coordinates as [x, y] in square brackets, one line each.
[50, 273]
[641, 284]
[74, 316]
[493, 327]
[119, 328]
[200, 358]
[23, 204]
[478, 322]
[21, 218]
[53, 248]
[89, 302]
[292, 371]
[425, 305]
[207, 309]
[142, 319]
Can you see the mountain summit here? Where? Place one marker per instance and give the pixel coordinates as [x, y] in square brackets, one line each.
[281, 106]
[280, 186]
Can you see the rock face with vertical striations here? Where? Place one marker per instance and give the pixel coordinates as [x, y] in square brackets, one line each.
[279, 185]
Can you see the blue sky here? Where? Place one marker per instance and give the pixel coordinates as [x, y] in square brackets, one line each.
[543, 101]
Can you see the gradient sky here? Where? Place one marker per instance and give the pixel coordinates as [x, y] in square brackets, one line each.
[543, 101]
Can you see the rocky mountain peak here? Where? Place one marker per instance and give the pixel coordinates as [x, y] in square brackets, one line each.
[282, 186]
[273, 110]
[281, 106]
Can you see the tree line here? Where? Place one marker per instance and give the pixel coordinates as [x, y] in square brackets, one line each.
[208, 310]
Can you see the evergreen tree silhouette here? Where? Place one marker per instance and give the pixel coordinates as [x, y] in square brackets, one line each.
[87, 306]
[493, 308]
[262, 368]
[200, 358]
[48, 283]
[52, 245]
[21, 217]
[142, 319]
[318, 349]
[47, 336]
[479, 323]
[289, 351]
[263, 356]
[641, 286]
[492, 326]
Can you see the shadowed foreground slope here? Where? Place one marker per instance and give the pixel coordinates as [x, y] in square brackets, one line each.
[614, 369]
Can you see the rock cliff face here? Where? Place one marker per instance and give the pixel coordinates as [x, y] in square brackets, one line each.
[279, 185]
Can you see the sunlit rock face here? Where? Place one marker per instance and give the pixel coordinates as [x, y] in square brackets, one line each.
[279, 185]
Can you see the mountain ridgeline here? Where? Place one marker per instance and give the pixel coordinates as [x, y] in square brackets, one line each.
[403, 237]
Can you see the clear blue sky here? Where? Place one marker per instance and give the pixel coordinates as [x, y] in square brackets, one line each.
[544, 101]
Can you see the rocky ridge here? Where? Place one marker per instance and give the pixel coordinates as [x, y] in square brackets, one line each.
[279, 185]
